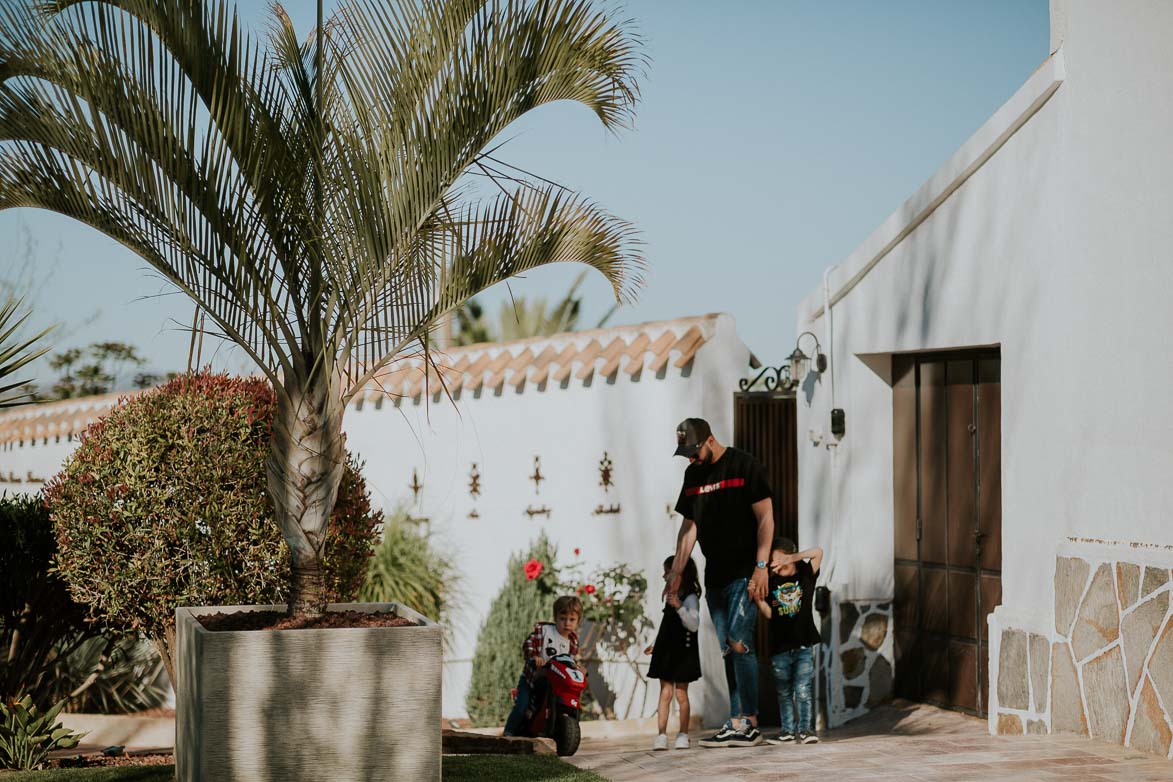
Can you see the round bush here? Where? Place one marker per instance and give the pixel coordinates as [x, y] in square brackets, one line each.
[164, 504]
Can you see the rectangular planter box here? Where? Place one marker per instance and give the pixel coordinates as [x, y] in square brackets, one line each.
[338, 704]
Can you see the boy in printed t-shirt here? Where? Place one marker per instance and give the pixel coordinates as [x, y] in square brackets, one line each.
[793, 635]
[548, 639]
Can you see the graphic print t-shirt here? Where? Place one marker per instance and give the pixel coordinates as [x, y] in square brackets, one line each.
[719, 497]
[790, 599]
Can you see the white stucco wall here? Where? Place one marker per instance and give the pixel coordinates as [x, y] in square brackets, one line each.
[1057, 249]
[570, 428]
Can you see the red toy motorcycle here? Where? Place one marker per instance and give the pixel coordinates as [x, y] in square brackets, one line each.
[556, 703]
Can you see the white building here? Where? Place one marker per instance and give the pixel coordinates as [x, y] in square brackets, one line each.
[1000, 349]
[554, 407]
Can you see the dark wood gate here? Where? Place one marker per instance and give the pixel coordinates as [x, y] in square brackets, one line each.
[948, 524]
[765, 424]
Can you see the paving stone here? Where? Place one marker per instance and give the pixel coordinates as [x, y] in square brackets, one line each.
[1098, 621]
[1137, 630]
[1070, 578]
[879, 681]
[1150, 727]
[1128, 580]
[1161, 665]
[1154, 579]
[1066, 704]
[1107, 699]
[875, 630]
[848, 615]
[1040, 669]
[852, 696]
[1036, 728]
[853, 661]
[1012, 671]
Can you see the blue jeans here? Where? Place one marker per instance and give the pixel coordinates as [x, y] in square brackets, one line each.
[513, 723]
[734, 616]
[794, 673]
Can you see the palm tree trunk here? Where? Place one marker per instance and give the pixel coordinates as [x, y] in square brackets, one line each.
[303, 470]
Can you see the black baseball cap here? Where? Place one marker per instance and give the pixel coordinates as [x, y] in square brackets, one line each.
[691, 435]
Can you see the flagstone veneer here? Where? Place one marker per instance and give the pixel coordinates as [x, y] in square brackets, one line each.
[1070, 579]
[1107, 672]
[1098, 621]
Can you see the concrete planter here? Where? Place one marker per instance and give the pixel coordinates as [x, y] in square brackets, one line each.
[337, 704]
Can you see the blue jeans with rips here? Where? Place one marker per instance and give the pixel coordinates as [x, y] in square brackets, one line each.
[734, 616]
[794, 673]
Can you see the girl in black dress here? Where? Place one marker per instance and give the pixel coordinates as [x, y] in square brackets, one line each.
[675, 658]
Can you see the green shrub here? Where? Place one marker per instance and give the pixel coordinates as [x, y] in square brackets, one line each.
[27, 738]
[521, 603]
[50, 652]
[40, 625]
[164, 504]
[408, 568]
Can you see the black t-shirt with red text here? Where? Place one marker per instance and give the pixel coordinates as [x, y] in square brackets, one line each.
[719, 497]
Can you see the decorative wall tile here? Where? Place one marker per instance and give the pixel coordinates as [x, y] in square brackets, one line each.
[1128, 579]
[1066, 704]
[875, 630]
[1137, 630]
[1012, 668]
[1161, 665]
[1154, 579]
[1107, 700]
[1070, 579]
[1009, 725]
[853, 661]
[879, 681]
[1040, 670]
[1098, 621]
[1150, 728]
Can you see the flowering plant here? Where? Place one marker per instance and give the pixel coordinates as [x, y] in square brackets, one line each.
[613, 606]
[533, 569]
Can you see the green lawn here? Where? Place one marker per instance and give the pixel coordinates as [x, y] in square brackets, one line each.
[471, 768]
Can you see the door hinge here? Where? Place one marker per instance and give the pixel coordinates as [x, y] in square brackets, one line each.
[918, 525]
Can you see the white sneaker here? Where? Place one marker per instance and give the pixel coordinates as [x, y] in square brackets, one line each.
[681, 741]
[661, 742]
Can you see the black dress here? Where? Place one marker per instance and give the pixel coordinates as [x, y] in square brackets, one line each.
[675, 657]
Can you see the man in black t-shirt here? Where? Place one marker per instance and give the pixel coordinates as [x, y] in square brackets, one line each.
[793, 635]
[727, 508]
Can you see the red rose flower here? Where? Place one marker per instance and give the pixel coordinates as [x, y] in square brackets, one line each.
[577, 552]
[590, 589]
[533, 569]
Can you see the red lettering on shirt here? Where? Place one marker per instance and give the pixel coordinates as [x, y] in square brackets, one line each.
[709, 488]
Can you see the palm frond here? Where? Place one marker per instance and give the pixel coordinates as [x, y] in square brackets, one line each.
[16, 352]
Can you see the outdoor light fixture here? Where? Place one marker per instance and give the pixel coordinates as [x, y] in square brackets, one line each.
[800, 362]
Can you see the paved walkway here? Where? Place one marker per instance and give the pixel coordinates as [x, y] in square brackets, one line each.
[898, 742]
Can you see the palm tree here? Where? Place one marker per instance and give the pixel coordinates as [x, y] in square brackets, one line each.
[309, 196]
[16, 351]
[520, 318]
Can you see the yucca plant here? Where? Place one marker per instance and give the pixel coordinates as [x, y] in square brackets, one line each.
[308, 195]
[16, 351]
[27, 737]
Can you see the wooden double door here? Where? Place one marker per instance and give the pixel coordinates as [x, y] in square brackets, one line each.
[948, 524]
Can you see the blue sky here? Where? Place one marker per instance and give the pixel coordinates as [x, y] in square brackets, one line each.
[773, 136]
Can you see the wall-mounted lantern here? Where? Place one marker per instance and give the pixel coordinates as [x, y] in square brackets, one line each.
[800, 362]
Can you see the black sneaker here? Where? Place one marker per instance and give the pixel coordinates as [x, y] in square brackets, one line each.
[781, 738]
[722, 737]
[807, 738]
[749, 736]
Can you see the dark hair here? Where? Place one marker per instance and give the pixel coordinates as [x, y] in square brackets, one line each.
[567, 604]
[784, 544]
[690, 580]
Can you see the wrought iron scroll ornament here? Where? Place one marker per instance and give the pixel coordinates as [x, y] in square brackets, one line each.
[544, 510]
[537, 477]
[601, 510]
[415, 485]
[474, 482]
[772, 379]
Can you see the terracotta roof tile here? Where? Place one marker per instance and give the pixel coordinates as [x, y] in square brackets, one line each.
[636, 348]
